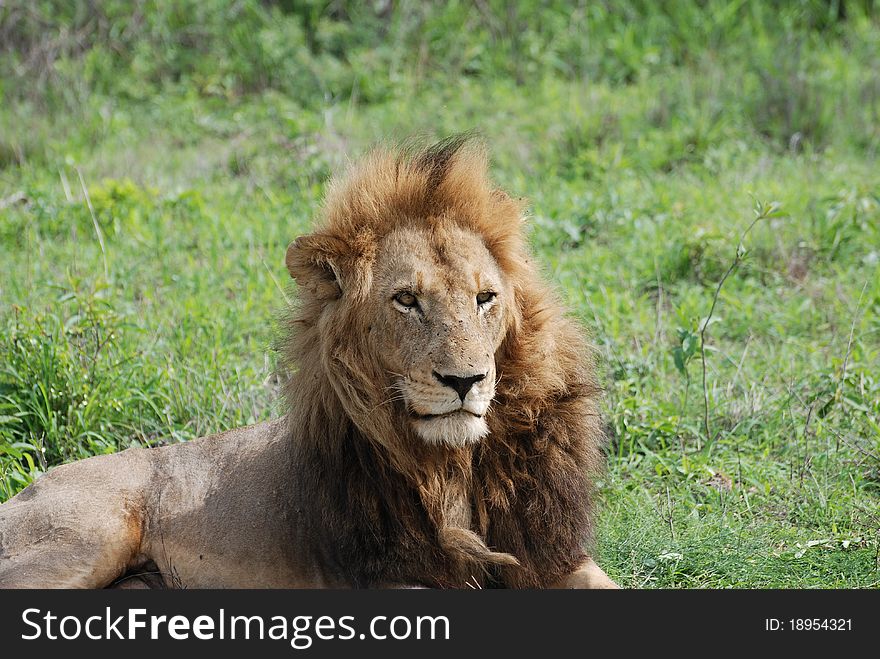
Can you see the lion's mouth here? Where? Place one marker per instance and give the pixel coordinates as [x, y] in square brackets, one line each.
[460, 410]
[454, 428]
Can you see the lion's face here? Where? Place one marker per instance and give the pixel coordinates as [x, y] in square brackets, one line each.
[438, 304]
[407, 294]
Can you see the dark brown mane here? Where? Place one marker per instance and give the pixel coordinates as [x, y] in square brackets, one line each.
[437, 158]
[380, 499]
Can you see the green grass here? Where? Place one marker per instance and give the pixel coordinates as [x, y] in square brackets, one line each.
[644, 149]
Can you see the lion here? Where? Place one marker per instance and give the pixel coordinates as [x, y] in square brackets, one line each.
[442, 425]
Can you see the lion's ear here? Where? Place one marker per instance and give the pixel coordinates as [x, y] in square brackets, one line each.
[314, 262]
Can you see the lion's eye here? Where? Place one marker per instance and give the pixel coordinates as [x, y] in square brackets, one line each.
[406, 299]
[485, 297]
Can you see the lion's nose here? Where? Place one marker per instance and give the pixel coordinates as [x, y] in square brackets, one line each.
[462, 385]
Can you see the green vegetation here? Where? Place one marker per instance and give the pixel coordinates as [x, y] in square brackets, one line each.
[156, 157]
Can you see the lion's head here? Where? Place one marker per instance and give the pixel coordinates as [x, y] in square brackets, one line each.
[407, 283]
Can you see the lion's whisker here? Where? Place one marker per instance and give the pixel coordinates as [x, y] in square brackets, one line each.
[387, 401]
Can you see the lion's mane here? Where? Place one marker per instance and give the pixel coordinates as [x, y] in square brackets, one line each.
[379, 499]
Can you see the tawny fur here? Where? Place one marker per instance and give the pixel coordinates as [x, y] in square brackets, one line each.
[346, 491]
[529, 482]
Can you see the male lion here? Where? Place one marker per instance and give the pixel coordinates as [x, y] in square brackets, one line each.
[442, 428]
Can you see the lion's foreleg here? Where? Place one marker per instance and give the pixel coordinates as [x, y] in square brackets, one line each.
[588, 575]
